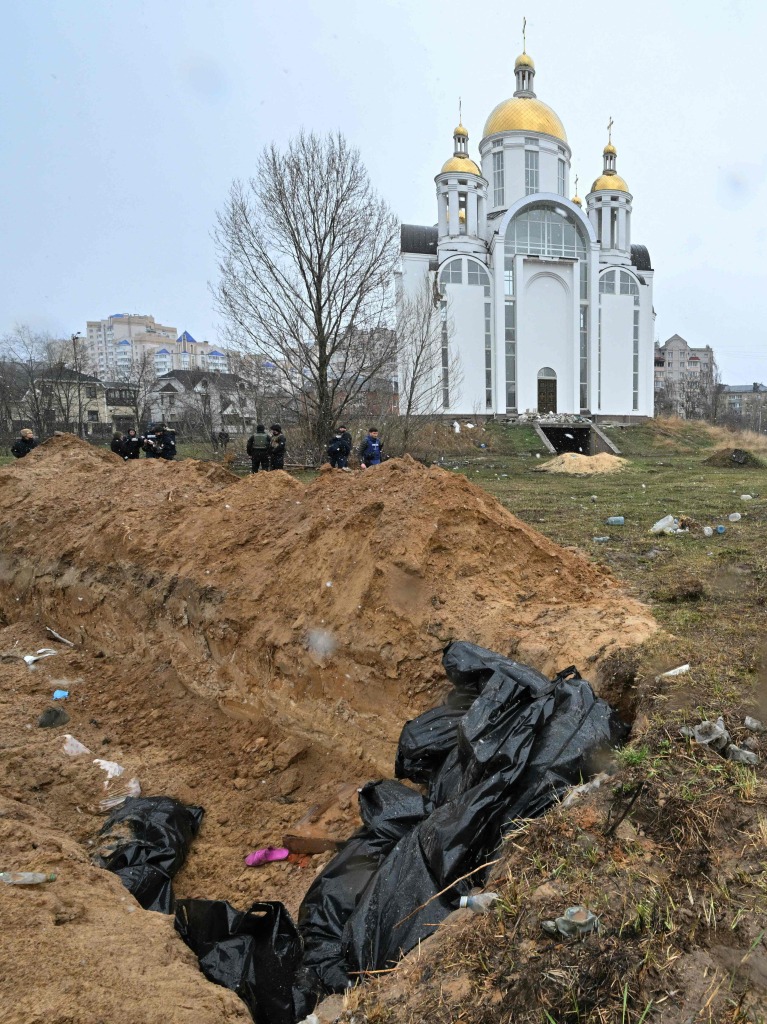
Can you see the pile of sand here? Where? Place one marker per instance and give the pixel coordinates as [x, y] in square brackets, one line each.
[247, 645]
[584, 465]
[734, 458]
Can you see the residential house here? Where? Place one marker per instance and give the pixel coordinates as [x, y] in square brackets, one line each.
[196, 402]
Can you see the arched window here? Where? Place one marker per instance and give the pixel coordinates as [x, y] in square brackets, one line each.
[451, 272]
[543, 229]
[546, 373]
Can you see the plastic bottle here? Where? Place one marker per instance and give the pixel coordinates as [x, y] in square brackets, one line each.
[663, 524]
[707, 531]
[720, 529]
[615, 521]
[600, 540]
[482, 903]
[734, 517]
[26, 877]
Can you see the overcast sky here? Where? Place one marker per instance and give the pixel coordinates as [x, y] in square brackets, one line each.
[123, 123]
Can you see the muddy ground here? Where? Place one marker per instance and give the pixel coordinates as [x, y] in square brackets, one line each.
[252, 646]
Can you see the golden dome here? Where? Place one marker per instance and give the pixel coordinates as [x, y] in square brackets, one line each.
[577, 200]
[462, 164]
[610, 148]
[460, 130]
[524, 60]
[523, 114]
[610, 183]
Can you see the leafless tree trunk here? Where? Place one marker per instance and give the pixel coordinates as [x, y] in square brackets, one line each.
[306, 251]
[34, 358]
[140, 380]
[427, 363]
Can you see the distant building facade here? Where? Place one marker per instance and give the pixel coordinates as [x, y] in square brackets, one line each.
[200, 403]
[676, 360]
[123, 340]
[746, 403]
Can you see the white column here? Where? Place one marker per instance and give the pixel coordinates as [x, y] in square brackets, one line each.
[442, 211]
[622, 229]
[471, 213]
[452, 205]
[576, 348]
[604, 227]
[628, 228]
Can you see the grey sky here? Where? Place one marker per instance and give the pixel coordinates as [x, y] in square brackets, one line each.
[123, 123]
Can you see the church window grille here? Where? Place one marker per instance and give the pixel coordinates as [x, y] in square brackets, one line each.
[508, 275]
[531, 172]
[628, 286]
[445, 357]
[561, 177]
[452, 273]
[635, 404]
[476, 274]
[607, 283]
[511, 356]
[498, 197]
[545, 230]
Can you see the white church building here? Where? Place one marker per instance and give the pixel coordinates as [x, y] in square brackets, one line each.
[545, 306]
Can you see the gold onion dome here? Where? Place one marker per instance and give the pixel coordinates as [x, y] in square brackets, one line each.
[462, 164]
[524, 60]
[524, 114]
[610, 148]
[577, 200]
[460, 130]
[609, 183]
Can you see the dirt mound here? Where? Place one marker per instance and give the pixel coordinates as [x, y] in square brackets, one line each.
[249, 645]
[734, 458]
[584, 465]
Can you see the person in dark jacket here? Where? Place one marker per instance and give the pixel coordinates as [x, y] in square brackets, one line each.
[258, 449]
[371, 449]
[117, 444]
[346, 436]
[167, 443]
[276, 447]
[338, 451]
[132, 445]
[151, 443]
[23, 444]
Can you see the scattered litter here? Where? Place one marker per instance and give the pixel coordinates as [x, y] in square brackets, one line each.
[112, 768]
[740, 756]
[576, 922]
[577, 792]
[720, 529]
[60, 694]
[753, 724]
[713, 735]
[119, 795]
[27, 877]
[665, 525]
[680, 671]
[593, 497]
[329, 583]
[482, 903]
[708, 531]
[266, 855]
[52, 718]
[44, 652]
[734, 517]
[572, 438]
[74, 747]
[600, 540]
[58, 636]
[746, 497]
[321, 642]
[615, 520]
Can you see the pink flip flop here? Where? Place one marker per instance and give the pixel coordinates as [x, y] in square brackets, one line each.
[266, 855]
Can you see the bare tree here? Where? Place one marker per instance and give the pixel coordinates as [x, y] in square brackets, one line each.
[428, 366]
[306, 253]
[34, 358]
[139, 379]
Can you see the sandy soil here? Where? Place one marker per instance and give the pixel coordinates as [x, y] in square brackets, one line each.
[584, 465]
[215, 663]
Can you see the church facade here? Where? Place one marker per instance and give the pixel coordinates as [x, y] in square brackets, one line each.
[545, 306]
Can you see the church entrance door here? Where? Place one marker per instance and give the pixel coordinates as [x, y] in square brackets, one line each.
[547, 396]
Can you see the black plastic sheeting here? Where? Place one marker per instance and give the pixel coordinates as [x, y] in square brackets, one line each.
[254, 952]
[145, 842]
[507, 743]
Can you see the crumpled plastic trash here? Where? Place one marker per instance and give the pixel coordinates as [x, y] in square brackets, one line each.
[53, 717]
[60, 694]
[44, 652]
[713, 735]
[680, 671]
[74, 747]
[119, 795]
[753, 724]
[112, 768]
[266, 855]
[576, 922]
[741, 756]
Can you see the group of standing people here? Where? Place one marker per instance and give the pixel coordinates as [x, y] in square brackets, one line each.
[266, 451]
[158, 443]
[340, 446]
